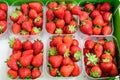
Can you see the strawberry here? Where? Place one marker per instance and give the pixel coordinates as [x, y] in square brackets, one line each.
[76, 10]
[16, 28]
[12, 64]
[85, 51]
[75, 42]
[37, 60]
[31, 12]
[101, 41]
[3, 26]
[50, 15]
[66, 70]
[16, 55]
[114, 70]
[76, 71]
[60, 23]
[27, 52]
[24, 73]
[94, 13]
[98, 6]
[15, 44]
[37, 46]
[66, 61]
[2, 15]
[89, 44]
[35, 73]
[56, 60]
[62, 49]
[40, 14]
[4, 7]
[25, 8]
[26, 60]
[35, 30]
[70, 29]
[73, 22]
[27, 45]
[52, 5]
[50, 27]
[86, 27]
[58, 31]
[68, 40]
[21, 19]
[106, 30]
[105, 6]
[107, 16]
[12, 74]
[98, 21]
[36, 6]
[53, 71]
[97, 30]
[57, 40]
[59, 12]
[89, 7]
[27, 26]
[83, 15]
[38, 21]
[68, 16]
[63, 5]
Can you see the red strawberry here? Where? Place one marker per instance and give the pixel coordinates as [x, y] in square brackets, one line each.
[89, 44]
[98, 6]
[59, 13]
[94, 13]
[35, 73]
[60, 23]
[36, 6]
[15, 15]
[16, 55]
[63, 5]
[25, 8]
[38, 21]
[52, 5]
[15, 44]
[66, 61]
[62, 48]
[3, 26]
[27, 52]
[2, 15]
[105, 6]
[40, 14]
[73, 22]
[97, 30]
[56, 60]
[57, 40]
[98, 21]
[83, 15]
[76, 71]
[66, 70]
[50, 27]
[24, 73]
[58, 31]
[107, 16]
[67, 40]
[4, 7]
[31, 12]
[76, 10]
[106, 30]
[37, 46]
[27, 45]
[85, 51]
[86, 27]
[12, 64]
[16, 28]
[114, 70]
[35, 30]
[106, 57]
[75, 42]
[50, 15]
[70, 29]
[68, 16]
[101, 41]
[37, 60]
[12, 74]
[26, 60]
[53, 71]
[21, 19]
[89, 7]
[27, 26]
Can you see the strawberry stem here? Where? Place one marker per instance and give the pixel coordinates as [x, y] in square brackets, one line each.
[11, 42]
[67, 53]
[52, 51]
[72, 28]
[77, 55]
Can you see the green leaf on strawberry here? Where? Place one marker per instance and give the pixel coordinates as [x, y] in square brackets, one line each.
[10, 76]
[14, 15]
[67, 53]
[58, 31]
[24, 32]
[95, 74]
[11, 42]
[36, 30]
[37, 19]
[1, 29]
[77, 55]
[72, 28]
[58, 73]
[52, 51]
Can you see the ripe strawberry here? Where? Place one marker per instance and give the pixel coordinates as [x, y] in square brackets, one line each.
[56, 60]
[2, 15]
[50, 27]
[4, 7]
[105, 6]
[83, 16]
[38, 21]
[76, 10]
[66, 70]
[63, 5]
[58, 31]
[27, 26]
[68, 40]
[37, 60]
[106, 57]
[98, 6]
[70, 29]
[73, 22]
[16, 55]
[35, 30]
[107, 16]
[66, 61]
[53, 71]
[31, 12]
[114, 71]
[50, 15]
[94, 13]
[21, 19]
[27, 52]
[98, 21]
[35, 73]
[24, 73]
[15, 15]
[3, 26]
[86, 27]
[60, 23]
[16, 28]
[97, 30]
[62, 49]
[59, 13]
[89, 44]
[26, 60]
[68, 16]
[36, 6]
[52, 5]
[12, 74]
[15, 44]
[25, 8]
[37, 46]
[12, 64]
[101, 41]
[85, 51]
[75, 42]
[106, 30]
[89, 7]
[57, 40]
[76, 71]
[27, 45]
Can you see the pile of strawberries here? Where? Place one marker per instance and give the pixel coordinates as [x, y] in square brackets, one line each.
[25, 60]
[64, 51]
[27, 20]
[3, 17]
[61, 19]
[99, 58]
[95, 19]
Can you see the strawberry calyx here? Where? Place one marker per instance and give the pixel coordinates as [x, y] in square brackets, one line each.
[14, 15]
[72, 28]
[52, 51]
[59, 74]
[83, 23]
[66, 53]
[73, 4]
[50, 66]
[107, 52]
[77, 55]
[24, 32]
[28, 77]
[36, 30]
[89, 18]
[1, 28]
[97, 27]
[29, 67]
[58, 31]
[10, 76]
[106, 60]
[55, 19]
[19, 64]
[95, 74]
[92, 58]
[37, 19]
[11, 42]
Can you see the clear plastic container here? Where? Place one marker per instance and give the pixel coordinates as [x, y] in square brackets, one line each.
[17, 4]
[117, 53]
